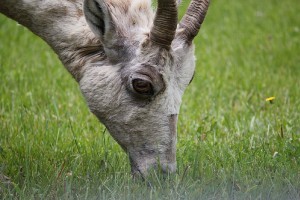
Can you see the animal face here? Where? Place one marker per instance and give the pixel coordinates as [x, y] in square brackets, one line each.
[139, 102]
[136, 91]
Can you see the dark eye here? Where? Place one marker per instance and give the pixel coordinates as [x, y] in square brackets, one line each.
[142, 86]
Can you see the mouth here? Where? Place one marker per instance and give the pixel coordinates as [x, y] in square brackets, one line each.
[143, 168]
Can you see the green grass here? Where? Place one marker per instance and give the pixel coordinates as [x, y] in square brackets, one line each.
[52, 147]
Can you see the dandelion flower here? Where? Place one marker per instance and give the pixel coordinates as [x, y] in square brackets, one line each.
[270, 99]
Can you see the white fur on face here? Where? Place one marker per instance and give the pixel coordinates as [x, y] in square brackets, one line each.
[141, 126]
[144, 127]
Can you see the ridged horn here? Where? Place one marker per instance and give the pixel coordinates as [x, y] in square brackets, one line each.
[165, 23]
[193, 18]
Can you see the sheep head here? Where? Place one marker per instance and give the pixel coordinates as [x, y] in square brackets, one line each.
[148, 61]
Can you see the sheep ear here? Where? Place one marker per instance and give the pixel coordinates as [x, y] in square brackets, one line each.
[98, 17]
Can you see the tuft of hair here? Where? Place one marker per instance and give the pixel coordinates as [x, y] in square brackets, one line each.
[131, 16]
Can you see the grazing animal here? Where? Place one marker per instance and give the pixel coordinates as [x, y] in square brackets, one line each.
[132, 65]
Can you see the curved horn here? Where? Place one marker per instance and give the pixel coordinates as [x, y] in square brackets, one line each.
[192, 20]
[165, 23]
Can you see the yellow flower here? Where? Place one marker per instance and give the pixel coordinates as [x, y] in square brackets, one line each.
[270, 99]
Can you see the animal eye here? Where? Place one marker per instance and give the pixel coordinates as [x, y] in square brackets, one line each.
[142, 86]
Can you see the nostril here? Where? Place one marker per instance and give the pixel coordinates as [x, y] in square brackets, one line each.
[165, 168]
[168, 168]
[143, 171]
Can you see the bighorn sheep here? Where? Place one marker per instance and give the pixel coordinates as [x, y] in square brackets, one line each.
[132, 64]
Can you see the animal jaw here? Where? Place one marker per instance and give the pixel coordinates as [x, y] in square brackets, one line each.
[132, 64]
